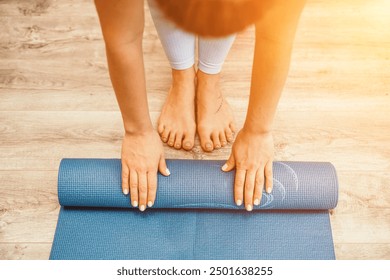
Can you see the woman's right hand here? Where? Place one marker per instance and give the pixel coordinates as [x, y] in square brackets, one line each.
[142, 158]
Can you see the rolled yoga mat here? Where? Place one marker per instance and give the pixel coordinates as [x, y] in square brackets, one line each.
[194, 216]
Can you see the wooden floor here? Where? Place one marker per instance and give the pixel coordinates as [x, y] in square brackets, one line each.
[56, 101]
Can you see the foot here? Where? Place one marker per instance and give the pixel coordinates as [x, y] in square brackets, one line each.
[176, 124]
[214, 116]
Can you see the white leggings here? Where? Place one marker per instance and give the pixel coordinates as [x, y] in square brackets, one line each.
[179, 46]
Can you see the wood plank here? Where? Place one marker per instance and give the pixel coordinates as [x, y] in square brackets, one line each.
[362, 251]
[28, 206]
[53, 135]
[294, 98]
[24, 251]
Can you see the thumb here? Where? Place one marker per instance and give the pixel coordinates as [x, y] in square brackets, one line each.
[230, 164]
[162, 167]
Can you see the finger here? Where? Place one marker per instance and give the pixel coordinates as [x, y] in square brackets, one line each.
[134, 188]
[259, 185]
[268, 173]
[142, 190]
[152, 187]
[249, 187]
[239, 182]
[125, 179]
[230, 164]
[162, 167]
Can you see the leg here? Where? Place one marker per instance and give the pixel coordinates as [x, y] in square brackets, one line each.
[214, 115]
[176, 124]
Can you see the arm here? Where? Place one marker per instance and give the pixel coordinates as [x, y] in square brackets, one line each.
[253, 150]
[122, 24]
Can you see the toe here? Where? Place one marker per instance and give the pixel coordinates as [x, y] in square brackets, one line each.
[188, 141]
[229, 134]
[205, 141]
[165, 135]
[232, 127]
[171, 139]
[222, 139]
[215, 138]
[178, 140]
[160, 128]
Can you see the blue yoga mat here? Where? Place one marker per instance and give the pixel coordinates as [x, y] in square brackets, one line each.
[194, 216]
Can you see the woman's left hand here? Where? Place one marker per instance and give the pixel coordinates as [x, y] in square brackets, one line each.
[252, 155]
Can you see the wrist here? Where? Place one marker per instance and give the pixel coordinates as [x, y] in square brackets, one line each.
[254, 128]
[140, 129]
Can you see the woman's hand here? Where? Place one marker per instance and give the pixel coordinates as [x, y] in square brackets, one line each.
[252, 155]
[142, 158]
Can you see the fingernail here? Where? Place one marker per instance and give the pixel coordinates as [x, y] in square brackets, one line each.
[135, 203]
[249, 207]
[224, 167]
[238, 202]
[269, 190]
[142, 208]
[168, 172]
[150, 204]
[125, 191]
[256, 202]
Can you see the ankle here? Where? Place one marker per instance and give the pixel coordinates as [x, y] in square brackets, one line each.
[185, 76]
[205, 79]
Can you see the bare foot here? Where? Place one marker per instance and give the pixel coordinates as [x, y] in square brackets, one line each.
[214, 116]
[176, 124]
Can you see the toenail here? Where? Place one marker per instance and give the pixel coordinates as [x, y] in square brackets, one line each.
[217, 146]
[177, 146]
[188, 144]
[224, 143]
[170, 144]
[208, 146]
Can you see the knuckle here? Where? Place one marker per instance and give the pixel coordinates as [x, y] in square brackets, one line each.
[142, 188]
[239, 183]
[125, 177]
[125, 172]
[259, 182]
[268, 173]
[249, 185]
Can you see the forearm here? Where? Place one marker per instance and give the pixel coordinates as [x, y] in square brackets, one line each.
[122, 24]
[128, 79]
[274, 39]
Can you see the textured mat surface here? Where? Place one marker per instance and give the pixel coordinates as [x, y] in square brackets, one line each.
[194, 216]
